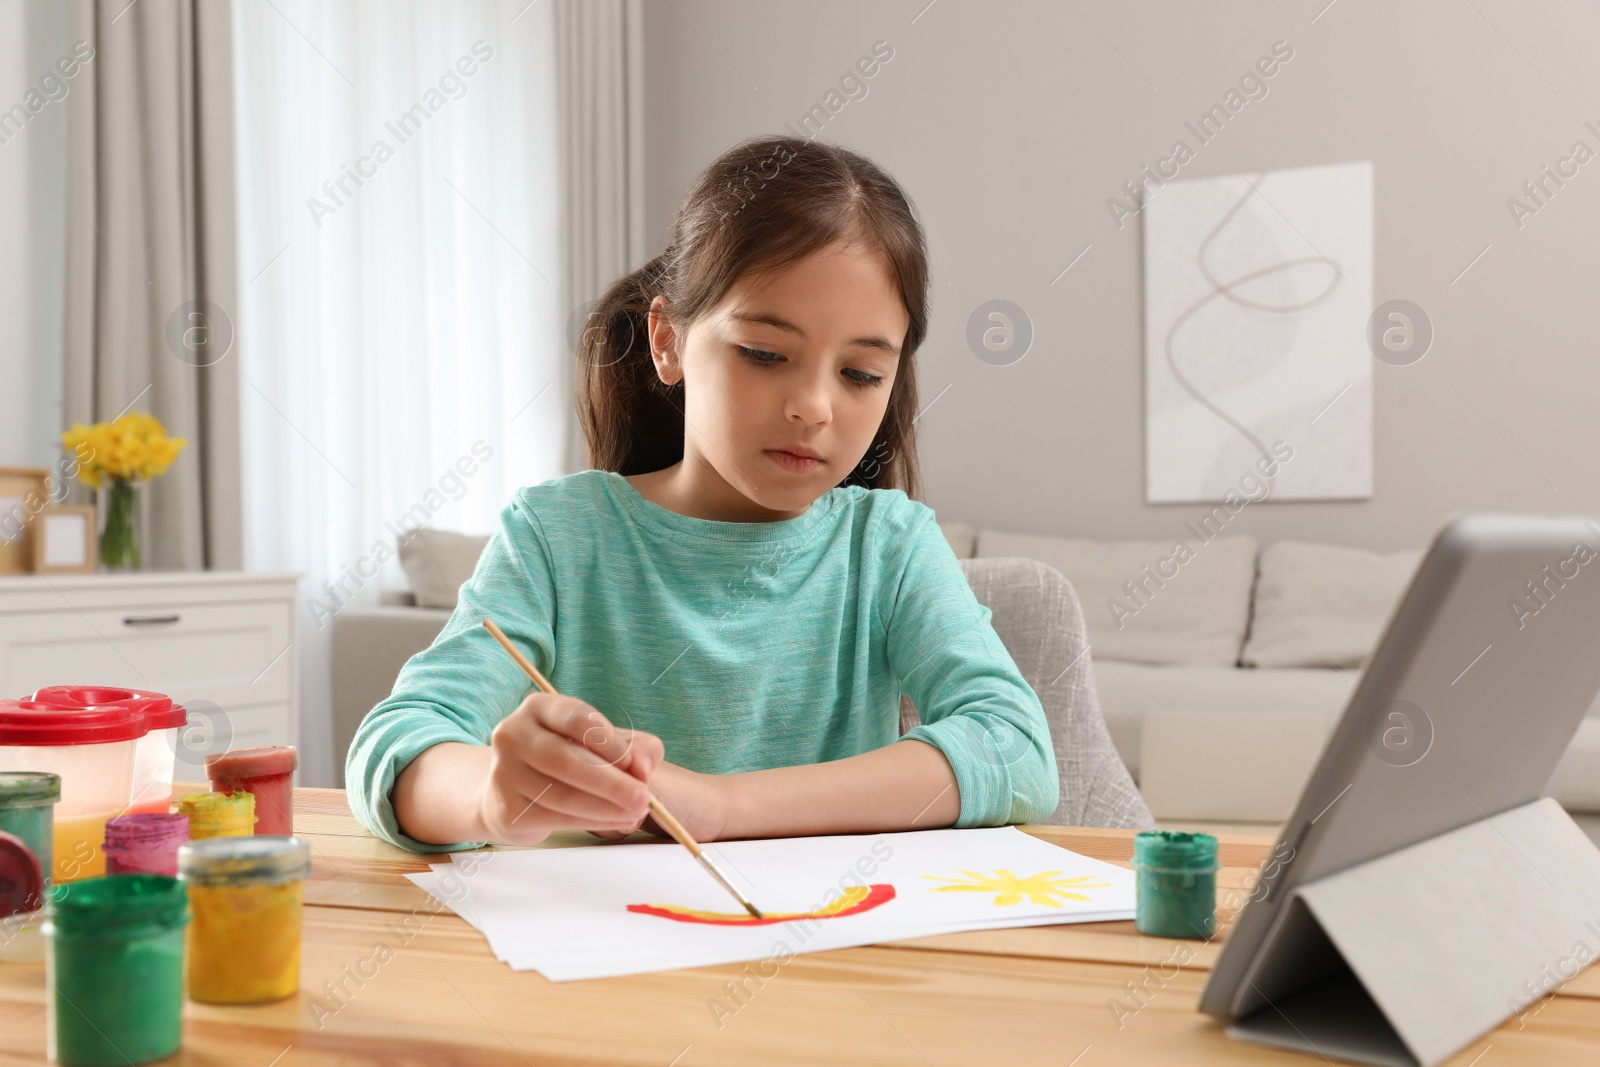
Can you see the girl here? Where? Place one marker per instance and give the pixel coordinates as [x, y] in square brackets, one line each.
[732, 602]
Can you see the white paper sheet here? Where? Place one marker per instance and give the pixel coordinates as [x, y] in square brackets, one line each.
[565, 912]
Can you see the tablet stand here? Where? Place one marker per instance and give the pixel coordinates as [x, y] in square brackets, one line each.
[1407, 958]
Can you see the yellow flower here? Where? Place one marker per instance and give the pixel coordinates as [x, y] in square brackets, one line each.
[132, 447]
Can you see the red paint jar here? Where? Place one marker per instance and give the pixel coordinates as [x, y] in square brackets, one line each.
[268, 772]
[21, 880]
[145, 844]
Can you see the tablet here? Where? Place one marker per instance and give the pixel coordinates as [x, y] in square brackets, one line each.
[1483, 673]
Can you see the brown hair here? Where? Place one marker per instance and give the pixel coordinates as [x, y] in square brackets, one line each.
[765, 203]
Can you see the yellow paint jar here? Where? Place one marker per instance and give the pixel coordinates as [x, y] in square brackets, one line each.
[244, 899]
[219, 814]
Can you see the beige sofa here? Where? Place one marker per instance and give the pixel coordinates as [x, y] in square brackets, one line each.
[1216, 625]
[1201, 627]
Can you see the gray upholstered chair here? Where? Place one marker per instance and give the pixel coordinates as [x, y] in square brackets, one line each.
[1037, 617]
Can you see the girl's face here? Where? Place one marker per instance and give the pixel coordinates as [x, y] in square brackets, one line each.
[799, 360]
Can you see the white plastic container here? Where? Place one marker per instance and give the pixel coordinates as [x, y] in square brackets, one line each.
[92, 749]
[156, 759]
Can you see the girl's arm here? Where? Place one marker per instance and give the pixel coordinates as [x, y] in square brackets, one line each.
[428, 793]
[904, 786]
[554, 762]
[452, 696]
[976, 707]
[908, 785]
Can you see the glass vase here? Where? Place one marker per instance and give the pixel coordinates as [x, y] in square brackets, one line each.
[119, 540]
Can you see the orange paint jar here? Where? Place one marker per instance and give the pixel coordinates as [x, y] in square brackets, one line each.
[267, 772]
[245, 902]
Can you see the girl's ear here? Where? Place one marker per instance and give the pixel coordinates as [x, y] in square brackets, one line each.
[664, 342]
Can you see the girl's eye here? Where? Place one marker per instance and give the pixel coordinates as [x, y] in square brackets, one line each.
[767, 359]
[758, 357]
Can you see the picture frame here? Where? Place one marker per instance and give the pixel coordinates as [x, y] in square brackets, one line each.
[64, 540]
[24, 493]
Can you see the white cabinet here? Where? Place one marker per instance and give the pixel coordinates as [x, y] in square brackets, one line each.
[222, 643]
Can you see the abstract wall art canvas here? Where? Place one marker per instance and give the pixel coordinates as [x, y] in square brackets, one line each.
[1257, 291]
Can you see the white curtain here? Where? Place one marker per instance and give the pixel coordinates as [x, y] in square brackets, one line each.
[401, 306]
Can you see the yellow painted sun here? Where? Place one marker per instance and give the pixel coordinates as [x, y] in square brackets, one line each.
[1009, 889]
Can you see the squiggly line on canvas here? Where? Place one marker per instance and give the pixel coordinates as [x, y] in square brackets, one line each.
[1229, 291]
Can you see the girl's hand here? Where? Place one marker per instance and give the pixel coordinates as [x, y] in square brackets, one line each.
[557, 763]
[697, 801]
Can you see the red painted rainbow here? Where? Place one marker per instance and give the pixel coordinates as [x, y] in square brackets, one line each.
[853, 901]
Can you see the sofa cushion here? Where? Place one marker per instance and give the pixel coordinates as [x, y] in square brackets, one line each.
[1145, 601]
[436, 562]
[1323, 605]
[963, 538]
[1128, 690]
[1229, 766]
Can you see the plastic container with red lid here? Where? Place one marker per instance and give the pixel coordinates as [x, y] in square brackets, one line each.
[268, 772]
[92, 749]
[156, 758]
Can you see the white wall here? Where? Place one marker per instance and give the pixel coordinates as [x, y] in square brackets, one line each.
[32, 239]
[1012, 124]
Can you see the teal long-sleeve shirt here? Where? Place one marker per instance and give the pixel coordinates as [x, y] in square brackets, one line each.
[742, 646]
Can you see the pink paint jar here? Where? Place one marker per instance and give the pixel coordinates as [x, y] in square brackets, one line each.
[157, 753]
[268, 772]
[145, 844]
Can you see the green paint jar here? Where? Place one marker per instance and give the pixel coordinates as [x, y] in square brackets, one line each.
[115, 970]
[1175, 884]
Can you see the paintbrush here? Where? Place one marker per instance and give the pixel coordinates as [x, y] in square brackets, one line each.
[658, 809]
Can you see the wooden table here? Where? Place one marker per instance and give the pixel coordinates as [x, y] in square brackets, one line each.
[434, 994]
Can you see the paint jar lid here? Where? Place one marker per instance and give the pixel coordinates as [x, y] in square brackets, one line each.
[260, 762]
[149, 832]
[116, 905]
[28, 722]
[159, 712]
[28, 788]
[21, 880]
[1175, 850]
[234, 861]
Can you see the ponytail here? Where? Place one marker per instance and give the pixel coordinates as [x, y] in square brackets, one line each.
[631, 419]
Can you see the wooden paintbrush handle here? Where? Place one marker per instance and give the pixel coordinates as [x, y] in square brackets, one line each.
[672, 826]
[533, 673]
